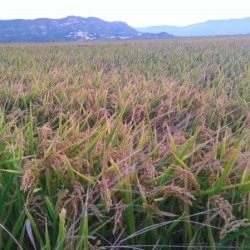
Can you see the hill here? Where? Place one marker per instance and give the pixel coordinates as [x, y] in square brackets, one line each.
[208, 28]
[71, 28]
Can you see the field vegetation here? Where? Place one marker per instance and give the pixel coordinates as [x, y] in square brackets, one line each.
[125, 145]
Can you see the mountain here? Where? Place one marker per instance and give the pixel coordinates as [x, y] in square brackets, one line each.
[209, 28]
[71, 28]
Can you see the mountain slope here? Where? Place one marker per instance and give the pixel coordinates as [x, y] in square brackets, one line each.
[71, 28]
[209, 28]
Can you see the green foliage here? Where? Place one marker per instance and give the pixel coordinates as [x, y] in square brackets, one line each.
[125, 144]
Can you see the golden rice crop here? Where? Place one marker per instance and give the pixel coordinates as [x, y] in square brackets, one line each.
[131, 144]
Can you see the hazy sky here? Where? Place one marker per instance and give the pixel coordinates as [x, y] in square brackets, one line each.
[138, 13]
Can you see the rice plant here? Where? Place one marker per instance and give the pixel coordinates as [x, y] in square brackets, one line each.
[125, 145]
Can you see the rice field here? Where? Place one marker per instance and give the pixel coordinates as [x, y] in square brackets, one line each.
[125, 145]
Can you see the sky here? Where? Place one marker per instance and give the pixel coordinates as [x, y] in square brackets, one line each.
[137, 13]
